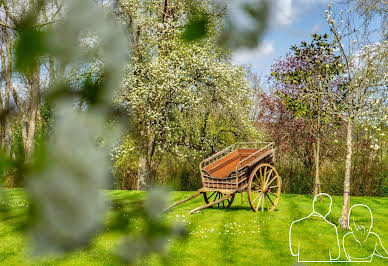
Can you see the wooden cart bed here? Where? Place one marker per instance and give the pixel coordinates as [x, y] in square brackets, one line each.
[228, 169]
[226, 165]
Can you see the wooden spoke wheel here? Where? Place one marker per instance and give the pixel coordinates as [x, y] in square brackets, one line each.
[215, 195]
[264, 188]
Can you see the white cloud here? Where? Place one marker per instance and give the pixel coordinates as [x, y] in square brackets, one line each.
[249, 56]
[284, 12]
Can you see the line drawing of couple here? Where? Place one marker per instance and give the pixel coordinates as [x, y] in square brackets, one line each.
[314, 230]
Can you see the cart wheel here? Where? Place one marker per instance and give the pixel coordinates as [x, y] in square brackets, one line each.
[215, 195]
[264, 188]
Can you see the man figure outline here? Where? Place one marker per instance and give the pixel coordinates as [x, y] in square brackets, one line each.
[325, 250]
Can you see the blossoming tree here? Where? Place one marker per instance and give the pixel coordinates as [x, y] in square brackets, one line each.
[363, 94]
[173, 89]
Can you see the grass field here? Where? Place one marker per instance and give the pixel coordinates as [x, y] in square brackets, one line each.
[235, 236]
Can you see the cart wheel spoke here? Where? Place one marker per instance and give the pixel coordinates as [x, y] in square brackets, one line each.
[258, 205]
[257, 196]
[268, 176]
[261, 177]
[212, 194]
[217, 198]
[270, 182]
[270, 199]
[258, 180]
[272, 193]
[264, 175]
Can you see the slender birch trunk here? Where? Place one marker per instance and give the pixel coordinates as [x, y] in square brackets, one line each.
[317, 150]
[345, 206]
[317, 186]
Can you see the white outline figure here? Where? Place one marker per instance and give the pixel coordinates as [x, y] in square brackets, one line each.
[316, 214]
[356, 227]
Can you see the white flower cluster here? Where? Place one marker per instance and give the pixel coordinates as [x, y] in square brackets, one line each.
[124, 148]
[229, 229]
[375, 146]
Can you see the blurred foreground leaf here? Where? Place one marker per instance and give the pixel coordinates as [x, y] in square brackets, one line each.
[65, 192]
[195, 29]
[30, 45]
[245, 23]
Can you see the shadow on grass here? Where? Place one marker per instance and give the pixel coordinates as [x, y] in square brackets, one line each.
[237, 208]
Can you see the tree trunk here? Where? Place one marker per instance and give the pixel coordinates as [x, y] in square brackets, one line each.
[33, 113]
[143, 173]
[147, 167]
[345, 206]
[7, 136]
[6, 74]
[165, 11]
[317, 185]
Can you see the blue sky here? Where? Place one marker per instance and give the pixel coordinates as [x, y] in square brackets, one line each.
[291, 21]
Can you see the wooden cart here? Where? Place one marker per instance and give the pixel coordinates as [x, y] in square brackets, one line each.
[243, 166]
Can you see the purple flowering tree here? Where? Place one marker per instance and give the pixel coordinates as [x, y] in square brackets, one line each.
[302, 80]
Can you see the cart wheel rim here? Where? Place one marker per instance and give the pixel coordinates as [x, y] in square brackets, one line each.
[264, 187]
[215, 195]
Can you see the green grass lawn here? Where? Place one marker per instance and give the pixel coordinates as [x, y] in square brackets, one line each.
[216, 236]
